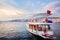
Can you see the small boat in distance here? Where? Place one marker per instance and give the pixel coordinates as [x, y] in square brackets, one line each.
[42, 27]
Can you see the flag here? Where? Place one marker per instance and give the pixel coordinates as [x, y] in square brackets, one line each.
[48, 12]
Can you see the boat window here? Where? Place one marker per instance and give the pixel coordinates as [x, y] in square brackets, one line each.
[39, 28]
[30, 26]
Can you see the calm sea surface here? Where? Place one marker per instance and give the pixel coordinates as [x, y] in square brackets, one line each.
[18, 31]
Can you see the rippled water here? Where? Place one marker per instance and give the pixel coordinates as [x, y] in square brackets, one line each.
[16, 31]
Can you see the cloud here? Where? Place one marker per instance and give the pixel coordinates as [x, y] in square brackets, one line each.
[38, 2]
[53, 6]
[8, 3]
[57, 10]
[9, 12]
[32, 5]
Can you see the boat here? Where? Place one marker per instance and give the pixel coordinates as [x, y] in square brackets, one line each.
[42, 26]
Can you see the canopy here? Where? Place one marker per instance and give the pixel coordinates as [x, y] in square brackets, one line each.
[39, 23]
[56, 15]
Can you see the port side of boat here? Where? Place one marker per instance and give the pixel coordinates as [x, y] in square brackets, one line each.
[34, 30]
[35, 26]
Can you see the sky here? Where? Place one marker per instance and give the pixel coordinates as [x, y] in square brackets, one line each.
[24, 9]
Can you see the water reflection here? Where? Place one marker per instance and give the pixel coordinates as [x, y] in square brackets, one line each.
[15, 31]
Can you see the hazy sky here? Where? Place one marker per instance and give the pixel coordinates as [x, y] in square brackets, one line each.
[24, 9]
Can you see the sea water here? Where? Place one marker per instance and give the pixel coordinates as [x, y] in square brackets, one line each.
[16, 31]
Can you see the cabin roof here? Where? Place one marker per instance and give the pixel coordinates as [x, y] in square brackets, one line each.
[39, 23]
[56, 15]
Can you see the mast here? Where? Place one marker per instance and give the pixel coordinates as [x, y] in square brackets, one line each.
[48, 13]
